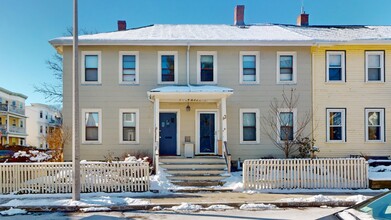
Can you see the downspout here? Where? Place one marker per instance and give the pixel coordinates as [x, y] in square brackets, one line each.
[188, 65]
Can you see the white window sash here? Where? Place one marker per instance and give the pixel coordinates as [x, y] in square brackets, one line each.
[381, 125]
[121, 125]
[343, 69]
[257, 126]
[168, 53]
[367, 54]
[257, 66]
[214, 54]
[343, 125]
[294, 67]
[100, 124]
[83, 55]
[120, 58]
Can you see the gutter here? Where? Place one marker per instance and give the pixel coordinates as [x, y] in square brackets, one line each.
[188, 66]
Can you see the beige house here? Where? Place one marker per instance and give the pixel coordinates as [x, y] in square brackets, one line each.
[185, 90]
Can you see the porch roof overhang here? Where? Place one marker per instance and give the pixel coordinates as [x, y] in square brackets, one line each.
[189, 93]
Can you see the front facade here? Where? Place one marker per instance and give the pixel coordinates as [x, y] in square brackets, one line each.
[12, 118]
[41, 120]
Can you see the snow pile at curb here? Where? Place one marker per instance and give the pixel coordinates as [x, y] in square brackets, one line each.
[96, 209]
[257, 207]
[322, 198]
[218, 208]
[13, 211]
[357, 198]
[186, 207]
[234, 182]
[160, 182]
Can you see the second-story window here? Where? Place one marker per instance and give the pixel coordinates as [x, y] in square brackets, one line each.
[21, 124]
[249, 67]
[286, 67]
[207, 67]
[41, 129]
[129, 68]
[167, 67]
[13, 103]
[40, 114]
[91, 67]
[335, 66]
[374, 61]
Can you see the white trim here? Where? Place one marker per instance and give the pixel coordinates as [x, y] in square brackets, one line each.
[120, 57]
[129, 110]
[294, 67]
[159, 66]
[343, 124]
[257, 66]
[343, 66]
[257, 125]
[83, 74]
[382, 132]
[214, 54]
[280, 110]
[178, 127]
[83, 122]
[381, 54]
[217, 127]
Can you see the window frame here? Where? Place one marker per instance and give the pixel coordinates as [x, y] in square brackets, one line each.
[382, 65]
[294, 67]
[257, 125]
[382, 125]
[83, 75]
[159, 66]
[343, 66]
[257, 66]
[129, 110]
[214, 54]
[87, 110]
[137, 69]
[282, 110]
[343, 126]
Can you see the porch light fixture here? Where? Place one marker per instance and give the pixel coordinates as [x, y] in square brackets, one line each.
[188, 107]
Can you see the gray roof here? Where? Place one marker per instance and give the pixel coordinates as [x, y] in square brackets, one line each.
[12, 93]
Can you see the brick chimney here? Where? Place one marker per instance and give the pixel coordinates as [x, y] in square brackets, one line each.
[303, 19]
[121, 25]
[239, 15]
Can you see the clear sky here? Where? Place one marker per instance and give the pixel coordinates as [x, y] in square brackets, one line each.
[27, 25]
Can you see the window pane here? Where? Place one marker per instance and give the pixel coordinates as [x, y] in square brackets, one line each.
[335, 74]
[207, 59]
[248, 71]
[249, 78]
[373, 61]
[374, 133]
[207, 68]
[129, 134]
[336, 133]
[129, 119]
[248, 61]
[286, 133]
[286, 74]
[373, 118]
[286, 61]
[92, 119]
[91, 75]
[335, 118]
[92, 134]
[91, 61]
[286, 118]
[168, 68]
[374, 74]
[249, 119]
[249, 134]
[335, 60]
[128, 78]
[129, 62]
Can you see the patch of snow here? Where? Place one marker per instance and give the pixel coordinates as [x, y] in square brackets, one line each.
[95, 209]
[322, 198]
[379, 173]
[186, 207]
[40, 156]
[21, 154]
[257, 207]
[161, 183]
[13, 211]
[357, 198]
[219, 208]
[234, 182]
[157, 208]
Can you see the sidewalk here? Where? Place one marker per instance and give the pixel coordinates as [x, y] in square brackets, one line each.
[147, 201]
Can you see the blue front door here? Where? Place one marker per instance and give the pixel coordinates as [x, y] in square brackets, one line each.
[168, 131]
[207, 133]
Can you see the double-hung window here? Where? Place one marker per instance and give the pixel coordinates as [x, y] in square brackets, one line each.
[206, 67]
[336, 124]
[92, 126]
[374, 71]
[129, 121]
[129, 67]
[374, 123]
[286, 124]
[40, 114]
[91, 67]
[335, 66]
[249, 126]
[286, 68]
[249, 67]
[167, 67]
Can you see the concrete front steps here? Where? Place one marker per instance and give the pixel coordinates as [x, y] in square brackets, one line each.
[202, 171]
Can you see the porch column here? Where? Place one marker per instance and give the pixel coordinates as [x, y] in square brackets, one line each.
[156, 134]
[8, 128]
[224, 119]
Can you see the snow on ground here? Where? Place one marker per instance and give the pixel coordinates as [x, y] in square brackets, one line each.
[186, 207]
[234, 182]
[218, 208]
[33, 155]
[322, 198]
[380, 173]
[95, 209]
[13, 211]
[159, 182]
[257, 207]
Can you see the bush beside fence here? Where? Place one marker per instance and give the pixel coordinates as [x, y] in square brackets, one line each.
[57, 177]
[336, 173]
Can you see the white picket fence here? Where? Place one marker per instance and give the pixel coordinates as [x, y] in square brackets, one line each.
[338, 173]
[57, 177]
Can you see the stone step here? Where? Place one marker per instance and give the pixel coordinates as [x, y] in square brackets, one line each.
[197, 183]
[187, 166]
[197, 160]
[197, 178]
[201, 189]
[195, 172]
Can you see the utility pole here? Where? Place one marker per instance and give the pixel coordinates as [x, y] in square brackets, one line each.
[75, 110]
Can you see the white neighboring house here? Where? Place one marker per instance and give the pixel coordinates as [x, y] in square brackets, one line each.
[41, 120]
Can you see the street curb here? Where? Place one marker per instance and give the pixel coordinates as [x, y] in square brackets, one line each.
[170, 205]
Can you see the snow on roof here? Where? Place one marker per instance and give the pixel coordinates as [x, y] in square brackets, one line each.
[191, 88]
[185, 33]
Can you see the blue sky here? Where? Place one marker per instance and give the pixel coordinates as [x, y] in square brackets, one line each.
[27, 25]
